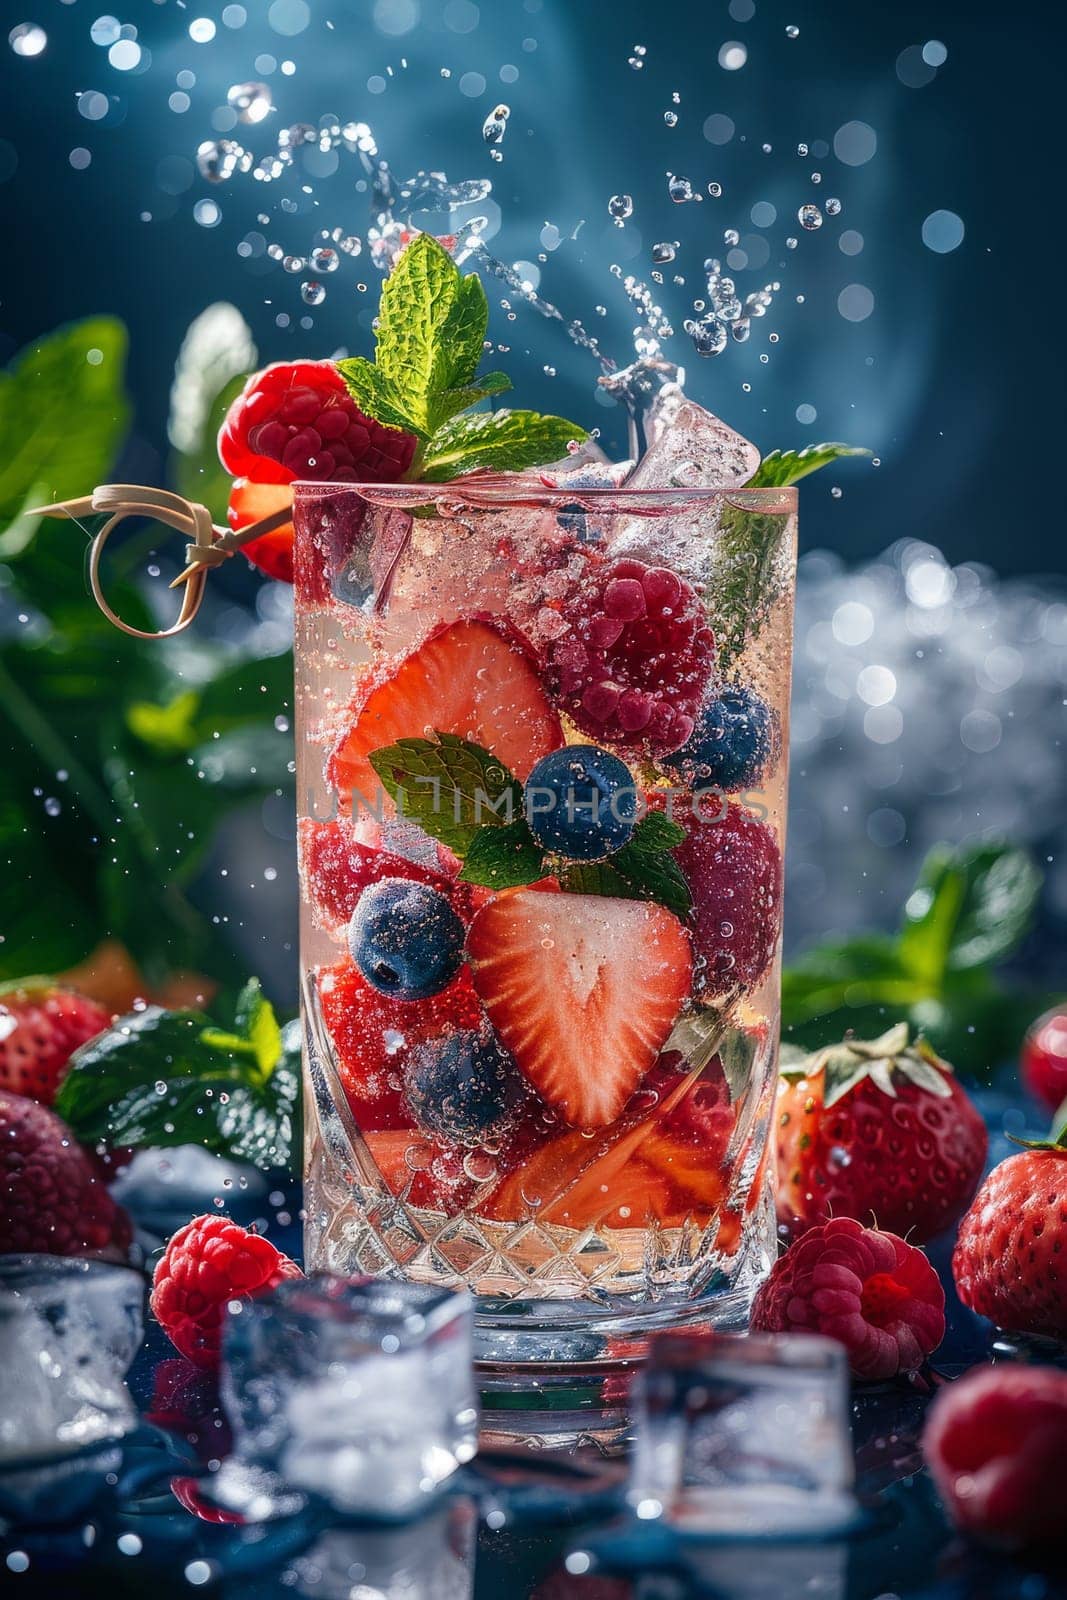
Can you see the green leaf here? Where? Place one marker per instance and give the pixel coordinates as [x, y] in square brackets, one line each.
[216, 355]
[504, 857]
[449, 786]
[783, 467]
[378, 396]
[655, 832]
[737, 1053]
[431, 330]
[212, 1093]
[498, 441]
[632, 873]
[451, 401]
[166, 728]
[63, 416]
[970, 908]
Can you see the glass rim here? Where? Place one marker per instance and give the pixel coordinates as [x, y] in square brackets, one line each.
[500, 490]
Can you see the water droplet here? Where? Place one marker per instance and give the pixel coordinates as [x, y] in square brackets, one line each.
[294, 263]
[791, 243]
[810, 217]
[496, 125]
[832, 208]
[52, 806]
[637, 60]
[312, 293]
[836, 493]
[216, 159]
[681, 190]
[251, 101]
[715, 190]
[802, 150]
[621, 206]
[663, 252]
[28, 39]
[323, 259]
[792, 31]
[731, 237]
[671, 118]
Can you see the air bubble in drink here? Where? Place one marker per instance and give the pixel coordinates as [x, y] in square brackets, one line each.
[810, 217]
[251, 101]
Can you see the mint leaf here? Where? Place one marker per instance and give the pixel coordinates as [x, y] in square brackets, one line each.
[379, 397]
[737, 1054]
[504, 858]
[656, 831]
[497, 441]
[165, 1078]
[969, 908]
[451, 401]
[783, 467]
[449, 786]
[632, 873]
[431, 331]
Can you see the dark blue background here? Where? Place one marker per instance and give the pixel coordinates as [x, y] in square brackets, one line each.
[961, 402]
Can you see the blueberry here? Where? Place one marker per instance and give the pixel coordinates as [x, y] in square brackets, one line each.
[581, 802]
[464, 1087]
[735, 737]
[406, 939]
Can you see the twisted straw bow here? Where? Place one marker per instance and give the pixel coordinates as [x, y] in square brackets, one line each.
[209, 544]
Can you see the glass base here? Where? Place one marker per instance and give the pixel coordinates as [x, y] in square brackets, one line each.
[556, 1374]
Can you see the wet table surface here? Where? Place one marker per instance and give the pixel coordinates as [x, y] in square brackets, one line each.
[516, 1525]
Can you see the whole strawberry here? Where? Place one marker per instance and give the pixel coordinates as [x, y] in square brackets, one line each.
[1043, 1063]
[995, 1444]
[880, 1131]
[870, 1291]
[1010, 1261]
[52, 1193]
[41, 1025]
[208, 1263]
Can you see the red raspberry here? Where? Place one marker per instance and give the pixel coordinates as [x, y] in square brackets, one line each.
[40, 1028]
[208, 1263]
[52, 1194]
[873, 1293]
[634, 664]
[186, 1401]
[733, 867]
[995, 1444]
[298, 420]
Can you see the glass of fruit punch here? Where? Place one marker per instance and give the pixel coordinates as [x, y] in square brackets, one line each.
[541, 719]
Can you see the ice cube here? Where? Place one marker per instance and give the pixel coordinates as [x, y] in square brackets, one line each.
[69, 1330]
[743, 1434]
[432, 1559]
[162, 1189]
[360, 1392]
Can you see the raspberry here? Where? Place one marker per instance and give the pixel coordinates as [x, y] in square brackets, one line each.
[208, 1263]
[298, 420]
[733, 867]
[995, 1444]
[40, 1028]
[870, 1291]
[52, 1195]
[632, 668]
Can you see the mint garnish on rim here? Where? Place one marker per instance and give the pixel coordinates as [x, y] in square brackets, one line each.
[431, 329]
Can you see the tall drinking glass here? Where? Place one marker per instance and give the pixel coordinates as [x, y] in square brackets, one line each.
[541, 1018]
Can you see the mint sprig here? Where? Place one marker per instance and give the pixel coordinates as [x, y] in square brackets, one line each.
[163, 1078]
[432, 323]
[779, 468]
[458, 792]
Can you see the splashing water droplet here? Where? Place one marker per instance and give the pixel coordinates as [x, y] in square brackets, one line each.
[216, 159]
[620, 206]
[637, 60]
[832, 208]
[681, 190]
[810, 217]
[664, 252]
[323, 259]
[671, 118]
[715, 190]
[312, 293]
[496, 125]
[792, 31]
[251, 101]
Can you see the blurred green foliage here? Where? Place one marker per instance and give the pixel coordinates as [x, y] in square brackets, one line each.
[122, 757]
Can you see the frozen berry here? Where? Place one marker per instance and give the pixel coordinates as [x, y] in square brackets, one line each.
[995, 1444]
[733, 867]
[208, 1263]
[464, 1088]
[1044, 1059]
[870, 1291]
[406, 939]
[297, 420]
[735, 739]
[52, 1195]
[634, 664]
[581, 802]
[41, 1026]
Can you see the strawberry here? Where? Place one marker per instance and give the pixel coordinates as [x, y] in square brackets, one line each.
[469, 678]
[1044, 1059]
[337, 868]
[583, 990]
[249, 502]
[53, 1197]
[1010, 1261]
[373, 1037]
[877, 1130]
[420, 1171]
[41, 1026]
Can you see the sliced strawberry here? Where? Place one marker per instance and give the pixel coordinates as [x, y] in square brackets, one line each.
[272, 552]
[421, 1172]
[468, 678]
[373, 1036]
[337, 868]
[583, 990]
